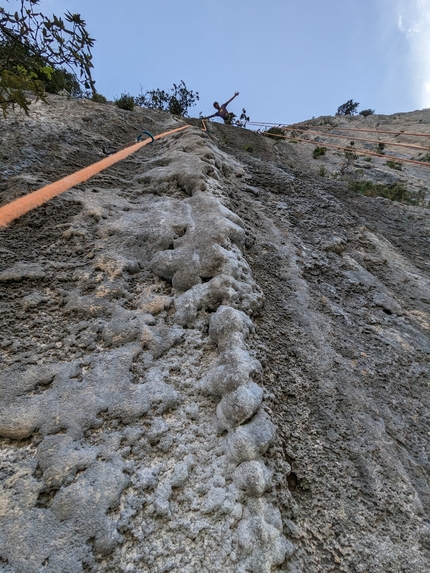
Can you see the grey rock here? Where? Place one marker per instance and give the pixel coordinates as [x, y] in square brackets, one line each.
[126, 310]
[214, 499]
[251, 440]
[252, 477]
[21, 271]
[180, 475]
[157, 430]
[238, 406]
[387, 303]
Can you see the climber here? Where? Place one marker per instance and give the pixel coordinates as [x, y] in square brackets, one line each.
[222, 112]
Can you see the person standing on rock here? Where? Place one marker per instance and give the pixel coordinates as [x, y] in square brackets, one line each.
[222, 112]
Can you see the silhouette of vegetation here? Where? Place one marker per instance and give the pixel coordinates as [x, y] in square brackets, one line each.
[274, 131]
[177, 101]
[367, 112]
[243, 119]
[125, 101]
[39, 54]
[348, 108]
[98, 98]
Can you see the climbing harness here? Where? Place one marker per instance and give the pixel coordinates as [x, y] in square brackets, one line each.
[18, 207]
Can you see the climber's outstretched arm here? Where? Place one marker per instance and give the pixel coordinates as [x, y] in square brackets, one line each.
[231, 99]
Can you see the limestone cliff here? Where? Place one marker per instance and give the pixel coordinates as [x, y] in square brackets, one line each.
[212, 359]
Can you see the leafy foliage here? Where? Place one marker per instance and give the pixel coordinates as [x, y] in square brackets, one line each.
[348, 108]
[38, 53]
[243, 119]
[395, 192]
[273, 132]
[366, 112]
[125, 101]
[59, 80]
[318, 151]
[394, 165]
[176, 102]
[98, 98]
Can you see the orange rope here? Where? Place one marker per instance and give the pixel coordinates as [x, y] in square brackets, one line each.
[357, 151]
[15, 209]
[373, 130]
[292, 126]
[358, 138]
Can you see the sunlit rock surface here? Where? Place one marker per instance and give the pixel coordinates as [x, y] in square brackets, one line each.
[212, 359]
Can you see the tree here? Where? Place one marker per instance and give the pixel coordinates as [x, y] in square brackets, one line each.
[348, 108]
[38, 53]
[350, 157]
[177, 102]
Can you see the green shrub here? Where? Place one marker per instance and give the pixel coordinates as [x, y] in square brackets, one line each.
[318, 151]
[366, 112]
[395, 192]
[323, 171]
[177, 102]
[125, 101]
[426, 158]
[394, 165]
[274, 131]
[57, 80]
[98, 98]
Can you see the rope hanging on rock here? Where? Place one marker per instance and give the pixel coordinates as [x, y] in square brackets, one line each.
[342, 136]
[18, 207]
[296, 126]
[350, 149]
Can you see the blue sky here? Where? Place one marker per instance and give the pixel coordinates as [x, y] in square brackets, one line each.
[290, 60]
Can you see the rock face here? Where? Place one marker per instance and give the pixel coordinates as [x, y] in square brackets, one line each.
[211, 360]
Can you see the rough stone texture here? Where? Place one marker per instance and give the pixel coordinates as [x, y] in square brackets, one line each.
[351, 131]
[210, 359]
